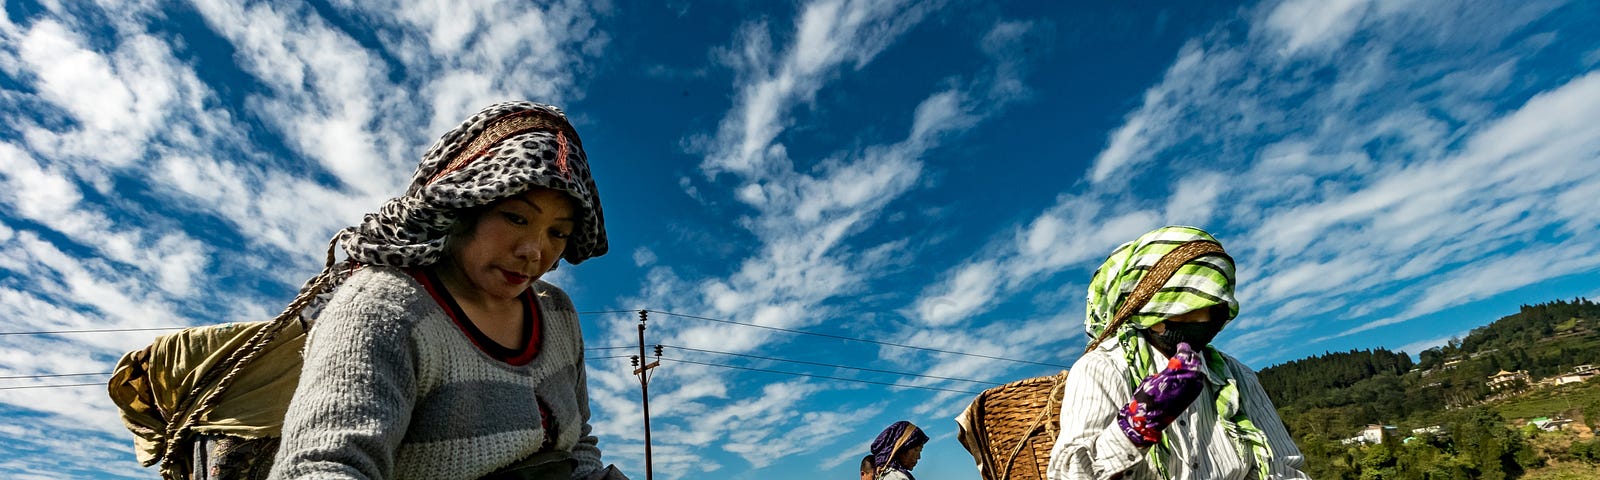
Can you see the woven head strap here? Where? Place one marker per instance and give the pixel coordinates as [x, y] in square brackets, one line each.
[1154, 280]
[510, 126]
[904, 436]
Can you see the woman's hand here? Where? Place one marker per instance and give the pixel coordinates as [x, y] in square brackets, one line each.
[1160, 398]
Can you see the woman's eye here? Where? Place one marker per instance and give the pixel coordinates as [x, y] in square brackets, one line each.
[560, 234]
[514, 218]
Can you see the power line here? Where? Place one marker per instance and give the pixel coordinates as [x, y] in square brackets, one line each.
[154, 329]
[818, 376]
[57, 375]
[19, 377]
[841, 337]
[891, 372]
[604, 312]
[53, 386]
[103, 330]
[610, 348]
[598, 312]
[613, 356]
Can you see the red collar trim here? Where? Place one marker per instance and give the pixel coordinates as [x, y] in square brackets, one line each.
[532, 323]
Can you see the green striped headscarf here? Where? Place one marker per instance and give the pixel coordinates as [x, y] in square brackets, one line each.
[1204, 282]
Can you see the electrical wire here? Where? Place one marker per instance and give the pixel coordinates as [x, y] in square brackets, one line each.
[841, 337]
[613, 356]
[674, 314]
[103, 330]
[154, 329]
[19, 377]
[604, 312]
[53, 386]
[891, 372]
[817, 376]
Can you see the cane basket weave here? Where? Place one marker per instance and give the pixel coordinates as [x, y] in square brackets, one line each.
[1010, 429]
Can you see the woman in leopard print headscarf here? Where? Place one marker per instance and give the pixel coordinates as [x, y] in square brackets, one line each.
[435, 350]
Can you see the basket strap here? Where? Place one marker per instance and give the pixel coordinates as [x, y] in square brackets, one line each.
[1154, 280]
[199, 401]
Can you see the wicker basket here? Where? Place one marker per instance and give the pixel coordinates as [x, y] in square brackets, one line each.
[1010, 429]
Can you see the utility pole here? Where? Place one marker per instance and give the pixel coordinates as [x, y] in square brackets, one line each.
[644, 389]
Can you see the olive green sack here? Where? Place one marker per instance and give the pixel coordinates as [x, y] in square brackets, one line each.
[159, 386]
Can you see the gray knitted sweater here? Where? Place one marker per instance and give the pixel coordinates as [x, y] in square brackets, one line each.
[392, 387]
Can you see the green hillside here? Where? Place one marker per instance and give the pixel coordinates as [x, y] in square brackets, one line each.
[1474, 430]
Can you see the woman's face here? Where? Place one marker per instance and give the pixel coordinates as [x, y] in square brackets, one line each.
[910, 456]
[514, 242]
[1194, 316]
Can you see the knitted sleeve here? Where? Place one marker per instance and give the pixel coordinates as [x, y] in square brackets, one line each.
[357, 386]
[586, 452]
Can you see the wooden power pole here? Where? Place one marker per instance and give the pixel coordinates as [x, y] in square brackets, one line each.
[644, 389]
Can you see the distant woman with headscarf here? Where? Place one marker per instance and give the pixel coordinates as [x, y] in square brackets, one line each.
[438, 352]
[1152, 399]
[897, 450]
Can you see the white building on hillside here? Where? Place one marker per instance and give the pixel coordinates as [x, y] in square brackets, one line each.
[1373, 434]
[1506, 379]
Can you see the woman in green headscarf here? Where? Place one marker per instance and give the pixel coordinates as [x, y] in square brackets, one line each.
[1152, 398]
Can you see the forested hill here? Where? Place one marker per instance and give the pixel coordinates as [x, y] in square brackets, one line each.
[1328, 398]
[1343, 391]
[1316, 376]
[1536, 339]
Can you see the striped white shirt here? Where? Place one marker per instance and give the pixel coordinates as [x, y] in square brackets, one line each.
[1091, 446]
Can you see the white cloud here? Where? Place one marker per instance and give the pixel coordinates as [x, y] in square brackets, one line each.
[49, 197]
[829, 33]
[1346, 150]
[327, 90]
[1338, 190]
[106, 104]
[941, 112]
[1319, 25]
[970, 289]
[1492, 276]
[1143, 133]
[1076, 229]
[1195, 198]
[118, 101]
[806, 213]
[37, 192]
[644, 257]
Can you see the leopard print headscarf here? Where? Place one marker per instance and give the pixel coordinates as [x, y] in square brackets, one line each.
[502, 151]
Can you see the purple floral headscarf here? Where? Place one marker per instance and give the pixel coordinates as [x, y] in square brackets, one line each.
[899, 437]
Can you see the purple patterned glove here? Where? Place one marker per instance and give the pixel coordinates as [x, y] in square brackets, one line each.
[1160, 398]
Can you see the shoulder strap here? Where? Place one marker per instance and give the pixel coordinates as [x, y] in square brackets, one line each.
[1154, 280]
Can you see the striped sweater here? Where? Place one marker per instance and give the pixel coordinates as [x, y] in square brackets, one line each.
[393, 387]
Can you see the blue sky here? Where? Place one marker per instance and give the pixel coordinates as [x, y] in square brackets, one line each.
[942, 174]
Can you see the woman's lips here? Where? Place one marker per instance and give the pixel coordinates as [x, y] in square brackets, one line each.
[513, 277]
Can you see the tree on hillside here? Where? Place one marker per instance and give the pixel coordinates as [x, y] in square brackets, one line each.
[1591, 415]
[1325, 398]
[1481, 435]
